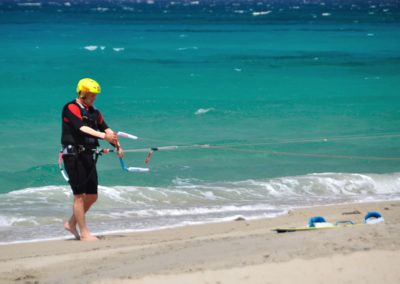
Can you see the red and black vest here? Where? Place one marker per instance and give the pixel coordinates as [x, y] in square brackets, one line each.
[71, 135]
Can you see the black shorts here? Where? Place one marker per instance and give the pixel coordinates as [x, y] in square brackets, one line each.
[82, 173]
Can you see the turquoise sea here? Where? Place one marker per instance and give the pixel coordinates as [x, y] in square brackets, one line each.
[271, 104]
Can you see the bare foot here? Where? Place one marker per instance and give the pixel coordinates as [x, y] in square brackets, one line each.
[72, 230]
[89, 238]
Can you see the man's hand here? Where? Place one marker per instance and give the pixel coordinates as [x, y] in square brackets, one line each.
[120, 152]
[111, 137]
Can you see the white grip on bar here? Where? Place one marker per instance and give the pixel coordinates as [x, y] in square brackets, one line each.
[137, 170]
[126, 135]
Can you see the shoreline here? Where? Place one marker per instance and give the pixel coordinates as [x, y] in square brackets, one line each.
[218, 251]
[194, 223]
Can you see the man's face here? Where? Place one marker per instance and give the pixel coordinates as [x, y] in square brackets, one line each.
[90, 98]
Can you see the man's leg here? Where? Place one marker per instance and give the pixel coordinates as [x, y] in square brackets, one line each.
[79, 214]
[85, 195]
[70, 225]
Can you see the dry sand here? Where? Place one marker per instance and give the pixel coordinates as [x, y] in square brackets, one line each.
[230, 252]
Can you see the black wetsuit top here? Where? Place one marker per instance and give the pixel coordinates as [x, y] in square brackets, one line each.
[81, 166]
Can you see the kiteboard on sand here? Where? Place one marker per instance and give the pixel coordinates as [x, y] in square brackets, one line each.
[319, 223]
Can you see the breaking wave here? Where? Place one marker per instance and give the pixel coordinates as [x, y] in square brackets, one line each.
[37, 213]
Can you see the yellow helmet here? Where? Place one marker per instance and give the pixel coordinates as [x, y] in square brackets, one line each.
[88, 85]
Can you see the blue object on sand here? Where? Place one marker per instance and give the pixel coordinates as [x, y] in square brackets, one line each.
[373, 217]
[316, 219]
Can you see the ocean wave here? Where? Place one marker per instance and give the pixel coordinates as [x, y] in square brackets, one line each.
[187, 212]
[192, 191]
[38, 213]
[102, 47]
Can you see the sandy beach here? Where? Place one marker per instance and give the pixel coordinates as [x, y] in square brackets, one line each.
[239, 251]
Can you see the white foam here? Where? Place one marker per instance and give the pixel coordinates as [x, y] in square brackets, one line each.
[91, 47]
[49, 188]
[118, 49]
[184, 181]
[35, 240]
[372, 78]
[187, 48]
[203, 111]
[51, 3]
[209, 195]
[100, 9]
[262, 13]
[130, 9]
[30, 4]
[117, 195]
[324, 184]
[7, 221]
[194, 211]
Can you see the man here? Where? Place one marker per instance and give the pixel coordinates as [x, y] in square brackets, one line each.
[82, 126]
